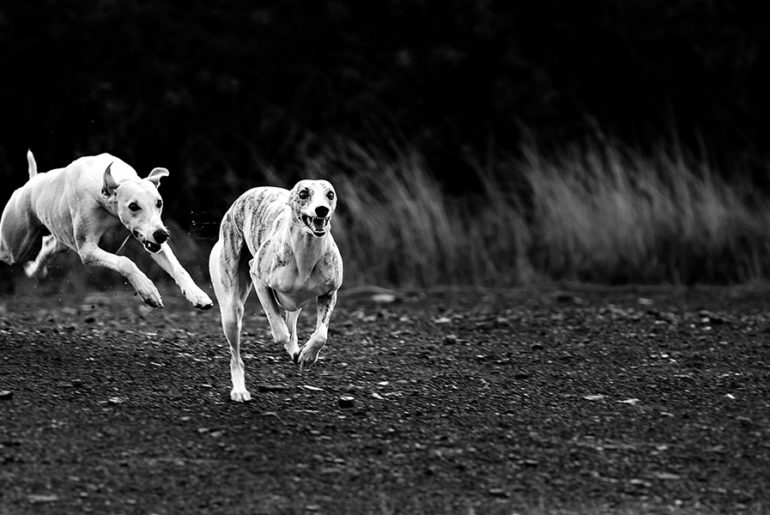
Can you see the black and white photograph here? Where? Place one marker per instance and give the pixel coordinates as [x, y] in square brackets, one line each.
[413, 257]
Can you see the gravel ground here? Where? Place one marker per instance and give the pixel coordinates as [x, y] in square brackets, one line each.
[570, 400]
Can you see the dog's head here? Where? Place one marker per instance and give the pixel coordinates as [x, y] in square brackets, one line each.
[138, 205]
[312, 204]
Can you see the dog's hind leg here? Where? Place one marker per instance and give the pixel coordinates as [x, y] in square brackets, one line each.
[38, 268]
[230, 279]
[20, 229]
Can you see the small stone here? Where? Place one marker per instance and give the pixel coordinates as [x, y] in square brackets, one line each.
[450, 339]
[567, 298]
[383, 298]
[497, 492]
[6, 395]
[311, 388]
[42, 498]
[744, 421]
[272, 387]
[346, 401]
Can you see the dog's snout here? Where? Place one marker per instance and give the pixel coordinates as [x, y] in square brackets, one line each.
[321, 211]
[160, 236]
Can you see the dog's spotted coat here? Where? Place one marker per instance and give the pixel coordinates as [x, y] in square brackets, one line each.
[279, 241]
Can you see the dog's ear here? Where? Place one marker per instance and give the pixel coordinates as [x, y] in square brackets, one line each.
[156, 174]
[108, 183]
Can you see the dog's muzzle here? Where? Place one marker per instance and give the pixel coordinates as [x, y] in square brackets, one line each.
[318, 225]
[152, 246]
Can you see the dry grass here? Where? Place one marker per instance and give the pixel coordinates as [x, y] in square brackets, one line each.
[614, 215]
[592, 213]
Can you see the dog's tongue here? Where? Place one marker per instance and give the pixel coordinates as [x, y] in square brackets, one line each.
[318, 224]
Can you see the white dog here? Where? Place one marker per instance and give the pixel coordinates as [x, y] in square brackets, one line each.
[280, 241]
[77, 205]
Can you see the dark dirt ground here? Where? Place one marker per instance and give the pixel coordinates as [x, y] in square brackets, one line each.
[572, 400]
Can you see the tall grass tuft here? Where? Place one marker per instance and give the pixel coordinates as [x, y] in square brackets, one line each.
[594, 212]
[599, 213]
[396, 225]
[611, 214]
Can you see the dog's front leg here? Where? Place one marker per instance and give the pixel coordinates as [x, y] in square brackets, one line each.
[170, 264]
[278, 326]
[91, 254]
[309, 353]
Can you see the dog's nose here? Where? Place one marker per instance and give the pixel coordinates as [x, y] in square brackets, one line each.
[160, 236]
[321, 211]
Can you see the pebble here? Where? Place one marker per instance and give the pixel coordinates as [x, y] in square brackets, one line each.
[6, 395]
[383, 298]
[42, 498]
[346, 401]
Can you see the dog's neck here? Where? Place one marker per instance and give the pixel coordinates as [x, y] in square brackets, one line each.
[307, 249]
[110, 204]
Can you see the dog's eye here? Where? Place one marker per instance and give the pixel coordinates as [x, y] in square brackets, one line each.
[330, 195]
[159, 204]
[303, 194]
[133, 206]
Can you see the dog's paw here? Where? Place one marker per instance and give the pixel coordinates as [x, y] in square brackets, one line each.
[240, 395]
[307, 357]
[33, 271]
[154, 302]
[199, 299]
[150, 295]
[293, 350]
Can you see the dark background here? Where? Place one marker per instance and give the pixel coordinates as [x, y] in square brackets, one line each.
[214, 90]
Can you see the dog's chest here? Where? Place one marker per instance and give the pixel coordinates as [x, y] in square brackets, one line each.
[293, 288]
[296, 281]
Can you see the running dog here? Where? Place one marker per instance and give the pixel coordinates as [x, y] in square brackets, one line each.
[79, 204]
[279, 241]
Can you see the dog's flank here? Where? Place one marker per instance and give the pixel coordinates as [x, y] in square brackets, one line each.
[77, 205]
[279, 242]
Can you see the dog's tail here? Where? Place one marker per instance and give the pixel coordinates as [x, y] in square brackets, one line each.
[32, 164]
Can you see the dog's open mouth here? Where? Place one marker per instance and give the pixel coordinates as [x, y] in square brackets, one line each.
[317, 225]
[151, 246]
